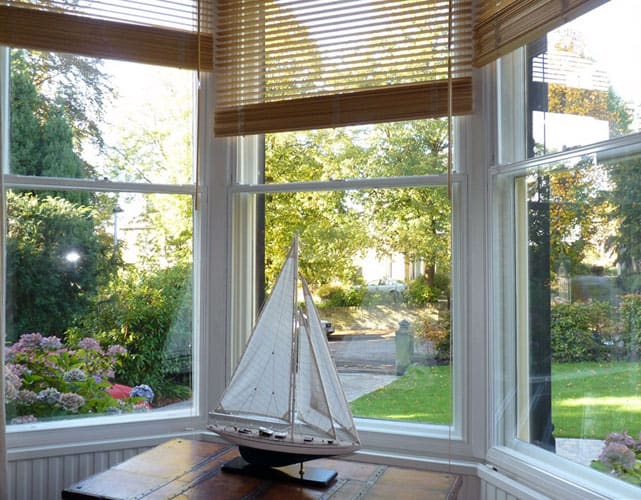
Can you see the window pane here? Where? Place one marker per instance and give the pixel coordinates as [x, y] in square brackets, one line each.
[583, 280]
[87, 272]
[383, 150]
[378, 265]
[585, 79]
[84, 118]
[99, 312]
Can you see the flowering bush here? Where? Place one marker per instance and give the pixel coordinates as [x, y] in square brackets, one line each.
[43, 378]
[621, 457]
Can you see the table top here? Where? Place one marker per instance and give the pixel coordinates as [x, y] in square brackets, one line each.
[192, 469]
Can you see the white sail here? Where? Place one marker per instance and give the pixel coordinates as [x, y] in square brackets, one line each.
[264, 369]
[339, 412]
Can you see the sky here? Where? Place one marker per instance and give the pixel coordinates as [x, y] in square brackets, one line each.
[614, 36]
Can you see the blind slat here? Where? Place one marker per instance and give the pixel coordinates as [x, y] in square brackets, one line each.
[426, 100]
[503, 25]
[61, 27]
[278, 64]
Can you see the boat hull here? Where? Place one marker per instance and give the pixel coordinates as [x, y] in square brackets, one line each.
[268, 451]
[270, 458]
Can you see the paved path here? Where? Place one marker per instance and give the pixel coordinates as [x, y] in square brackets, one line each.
[356, 385]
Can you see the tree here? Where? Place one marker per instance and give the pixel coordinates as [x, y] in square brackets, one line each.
[41, 138]
[330, 231]
[76, 84]
[153, 143]
[57, 257]
[578, 211]
[625, 176]
[414, 222]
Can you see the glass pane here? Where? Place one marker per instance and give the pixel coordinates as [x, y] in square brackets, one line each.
[78, 117]
[585, 79]
[583, 334]
[378, 265]
[383, 150]
[99, 303]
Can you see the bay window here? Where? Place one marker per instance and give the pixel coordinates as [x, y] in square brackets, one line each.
[149, 207]
[565, 223]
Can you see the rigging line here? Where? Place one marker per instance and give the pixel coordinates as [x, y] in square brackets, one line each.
[449, 195]
[198, 102]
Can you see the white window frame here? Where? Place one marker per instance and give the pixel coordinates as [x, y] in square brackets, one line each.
[527, 464]
[149, 428]
[440, 446]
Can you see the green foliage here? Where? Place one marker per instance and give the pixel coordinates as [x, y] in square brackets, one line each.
[631, 325]
[625, 176]
[149, 312]
[46, 379]
[41, 136]
[420, 292]
[47, 289]
[580, 330]
[437, 331]
[339, 296]
[330, 229]
[337, 226]
[413, 222]
[74, 84]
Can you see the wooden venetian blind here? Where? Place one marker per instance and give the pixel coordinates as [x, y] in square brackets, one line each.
[304, 64]
[501, 26]
[165, 32]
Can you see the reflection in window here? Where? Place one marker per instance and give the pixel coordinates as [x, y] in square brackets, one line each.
[583, 84]
[582, 331]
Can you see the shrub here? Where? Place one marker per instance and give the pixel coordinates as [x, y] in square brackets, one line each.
[336, 296]
[580, 331]
[149, 312]
[436, 331]
[620, 457]
[43, 378]
[420, 292]
[631, 325]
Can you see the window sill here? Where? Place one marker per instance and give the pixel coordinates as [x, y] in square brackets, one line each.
[553, 476]
[79, 432]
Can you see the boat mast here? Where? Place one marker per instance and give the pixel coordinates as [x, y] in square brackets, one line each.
[294, 347]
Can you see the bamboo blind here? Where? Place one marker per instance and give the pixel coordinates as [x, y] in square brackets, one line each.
[164, 32]
[503, 25]
[302, 64]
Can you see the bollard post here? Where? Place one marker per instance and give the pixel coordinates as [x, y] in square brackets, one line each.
[404, 349]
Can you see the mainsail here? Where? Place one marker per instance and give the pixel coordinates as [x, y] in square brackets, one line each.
[285, 395]
[264, 369]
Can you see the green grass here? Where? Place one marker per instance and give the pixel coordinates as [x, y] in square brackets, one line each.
[589, 400]
[421, 395]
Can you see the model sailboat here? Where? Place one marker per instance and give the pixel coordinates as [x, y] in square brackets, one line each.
[285, 403]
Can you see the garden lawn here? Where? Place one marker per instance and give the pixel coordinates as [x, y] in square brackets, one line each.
[589, 399]
[421, 395]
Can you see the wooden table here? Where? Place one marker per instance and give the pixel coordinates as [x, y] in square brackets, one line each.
[183, 468]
